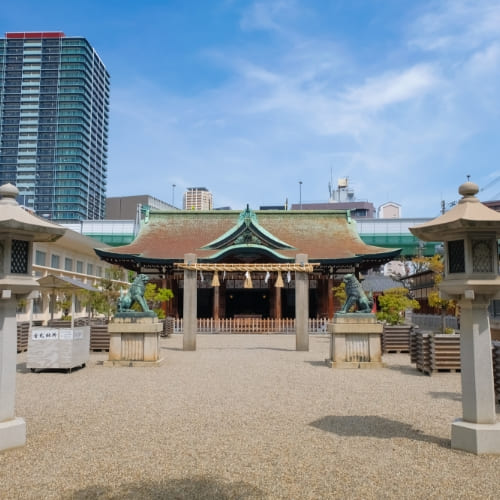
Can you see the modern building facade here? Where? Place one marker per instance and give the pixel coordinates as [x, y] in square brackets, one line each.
[130, 207]
[358, 209]
[341, 198]
[72, 258]
[54, 107]
[389, 210]
[198, 198]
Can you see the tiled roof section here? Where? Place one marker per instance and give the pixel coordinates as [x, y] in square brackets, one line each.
[322, 235]
[379, 283]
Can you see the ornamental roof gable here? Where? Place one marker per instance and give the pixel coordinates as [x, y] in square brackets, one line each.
[247, 231]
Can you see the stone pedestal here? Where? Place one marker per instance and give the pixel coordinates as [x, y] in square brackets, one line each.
[478, 431]
[301, 306]
[134, 340]
[355, 341]
[475, 438]
[190, 305]
[12, 428]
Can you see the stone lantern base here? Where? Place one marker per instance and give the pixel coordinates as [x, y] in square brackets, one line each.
[355, 341]
[12, 433]
[475, 438]
[134, 340]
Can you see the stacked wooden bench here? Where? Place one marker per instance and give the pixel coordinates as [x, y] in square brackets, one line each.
[396, 338]
[444, 352]
[413, 346]
[99, 337]
[496, 368]
[423, 352]
[23, 329]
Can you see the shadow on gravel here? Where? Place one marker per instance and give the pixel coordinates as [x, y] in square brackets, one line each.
[453, 396]
[318, 363]
[374, 426]
[21, 368]
[258, 348]
[269, 349]
[407, 370]
[183, 489]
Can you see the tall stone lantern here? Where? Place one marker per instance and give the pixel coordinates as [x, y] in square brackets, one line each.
[18, 230]
[470, 231]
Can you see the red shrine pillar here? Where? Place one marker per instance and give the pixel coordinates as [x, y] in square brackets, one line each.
[330, 297]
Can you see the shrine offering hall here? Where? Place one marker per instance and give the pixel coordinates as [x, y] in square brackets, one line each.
[246, 262]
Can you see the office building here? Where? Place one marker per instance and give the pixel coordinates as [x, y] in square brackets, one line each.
[198, 198]
[389, 210]
[130, 207]
[54, 106]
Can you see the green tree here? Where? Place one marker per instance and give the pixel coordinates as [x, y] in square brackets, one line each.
[104, 301]
[393, 303]
[64, 304]
[434, 298]
[156, 296]
[339, 293]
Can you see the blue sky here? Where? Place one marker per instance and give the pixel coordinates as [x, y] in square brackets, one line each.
[247, 98]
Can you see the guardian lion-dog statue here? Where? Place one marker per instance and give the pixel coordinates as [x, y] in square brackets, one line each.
[355, 296]
[135, 294]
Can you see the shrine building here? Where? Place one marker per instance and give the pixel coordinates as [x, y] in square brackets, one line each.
[246, 262]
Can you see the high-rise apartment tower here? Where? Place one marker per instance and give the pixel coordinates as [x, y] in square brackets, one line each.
[198, 198]
[54, 106]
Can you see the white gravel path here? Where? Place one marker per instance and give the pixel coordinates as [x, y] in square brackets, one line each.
[244, 416]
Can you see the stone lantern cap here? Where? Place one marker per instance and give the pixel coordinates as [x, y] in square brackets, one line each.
[468, 214]
[15, 220]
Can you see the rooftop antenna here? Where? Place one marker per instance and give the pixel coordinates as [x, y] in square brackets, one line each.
[330, 184]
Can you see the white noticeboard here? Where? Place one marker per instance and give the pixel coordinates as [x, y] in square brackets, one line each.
[50, 347]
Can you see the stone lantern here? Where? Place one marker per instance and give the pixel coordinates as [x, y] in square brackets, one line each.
[18, 230]
[470, 232]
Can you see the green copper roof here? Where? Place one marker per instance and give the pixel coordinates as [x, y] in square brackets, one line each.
[247, 231]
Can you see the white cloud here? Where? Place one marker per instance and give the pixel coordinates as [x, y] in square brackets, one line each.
[268, 15]
[456, 25]
[392, 88]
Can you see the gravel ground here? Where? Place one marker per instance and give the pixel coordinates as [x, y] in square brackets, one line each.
[244, 416]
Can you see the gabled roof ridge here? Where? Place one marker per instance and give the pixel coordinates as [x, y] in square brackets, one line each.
[247, 220]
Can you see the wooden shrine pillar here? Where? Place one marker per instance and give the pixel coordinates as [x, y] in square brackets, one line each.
[277, 301]
[216, 303]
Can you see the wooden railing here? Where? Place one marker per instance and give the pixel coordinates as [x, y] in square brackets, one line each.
[251, 325]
